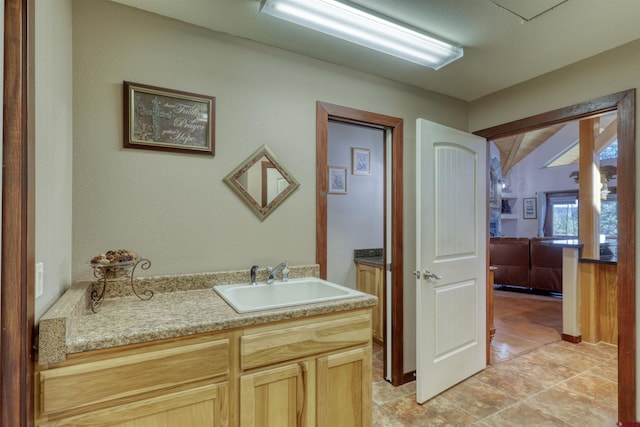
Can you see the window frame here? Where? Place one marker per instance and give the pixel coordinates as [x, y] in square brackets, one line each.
[548, 218]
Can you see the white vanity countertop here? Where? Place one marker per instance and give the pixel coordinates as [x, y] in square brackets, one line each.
[70, 326]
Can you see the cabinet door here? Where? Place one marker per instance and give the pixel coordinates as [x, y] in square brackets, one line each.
[344, 389]
[370, 280]
[278, 397]
[206, 406]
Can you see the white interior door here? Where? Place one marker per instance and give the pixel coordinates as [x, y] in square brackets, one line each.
[451, 230]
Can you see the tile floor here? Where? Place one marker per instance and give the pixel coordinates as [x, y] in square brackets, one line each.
[534, 380]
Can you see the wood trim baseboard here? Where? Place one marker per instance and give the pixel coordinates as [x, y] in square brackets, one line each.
[572, 339]
[408, 377]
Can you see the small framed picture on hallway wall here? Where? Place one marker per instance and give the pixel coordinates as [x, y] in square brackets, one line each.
[337, 180]
[360, 161]
[530, 208]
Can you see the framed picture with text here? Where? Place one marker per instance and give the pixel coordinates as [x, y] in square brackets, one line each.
[168, 120]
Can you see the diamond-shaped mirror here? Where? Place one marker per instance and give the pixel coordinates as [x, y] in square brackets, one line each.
[262, 182]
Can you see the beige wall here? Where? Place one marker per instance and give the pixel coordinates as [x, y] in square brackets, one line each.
[174, 208]
[610, 72]
[53, 133]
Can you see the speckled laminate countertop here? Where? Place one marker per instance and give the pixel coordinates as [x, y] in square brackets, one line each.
[174, 311]
[374, 261]
[371, 257]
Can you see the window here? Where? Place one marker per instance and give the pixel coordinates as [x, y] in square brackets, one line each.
[611, 152]
[609, 226]
[562, 219]
[562, 215]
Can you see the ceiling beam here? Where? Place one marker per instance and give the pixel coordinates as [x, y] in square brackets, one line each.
[513, 154]
[606, 136]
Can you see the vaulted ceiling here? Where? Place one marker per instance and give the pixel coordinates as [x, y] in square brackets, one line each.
[516, 147]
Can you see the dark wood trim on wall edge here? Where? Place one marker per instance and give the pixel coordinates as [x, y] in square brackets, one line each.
[18, 217]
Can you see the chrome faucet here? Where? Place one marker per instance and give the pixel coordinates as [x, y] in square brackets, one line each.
[253, 274]
[282, 268]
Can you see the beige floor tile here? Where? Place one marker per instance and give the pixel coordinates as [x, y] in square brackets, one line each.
[377, 372]
[516, 382]
[560, 354]
[382, 418]
[479, 424]
[408, 388]
[436, 412]
[524, 415]
[574, 408]
[478, 398]
[607, 370]
[545, 370]
[535, 379]
[383, 392]
[604, 391]
[601, 351]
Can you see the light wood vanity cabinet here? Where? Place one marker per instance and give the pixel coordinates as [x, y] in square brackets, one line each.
[307, 372]
[344, 389]
[179, 382]
[277, 396]
[370, 279]
[313, 371]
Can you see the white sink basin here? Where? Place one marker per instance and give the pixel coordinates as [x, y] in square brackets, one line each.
[247, 297]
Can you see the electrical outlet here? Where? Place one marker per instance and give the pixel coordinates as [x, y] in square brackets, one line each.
[39, 279]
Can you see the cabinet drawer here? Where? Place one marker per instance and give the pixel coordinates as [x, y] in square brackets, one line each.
[200, 406]
[263, 346]
[146, 369]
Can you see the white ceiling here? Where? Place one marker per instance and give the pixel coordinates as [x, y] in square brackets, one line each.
[506, 41]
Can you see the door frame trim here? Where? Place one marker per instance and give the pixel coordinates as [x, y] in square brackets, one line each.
[624, 103]
[18, 217]
[325, 112]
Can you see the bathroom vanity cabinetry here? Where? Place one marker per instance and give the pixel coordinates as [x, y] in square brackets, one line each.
[370, 279]
[180, 382]
[313, 371]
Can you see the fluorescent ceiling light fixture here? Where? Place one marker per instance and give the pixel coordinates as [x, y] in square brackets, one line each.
[357, 25]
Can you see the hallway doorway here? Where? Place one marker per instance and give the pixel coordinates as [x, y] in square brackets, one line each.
[393, 256]
[624, 104]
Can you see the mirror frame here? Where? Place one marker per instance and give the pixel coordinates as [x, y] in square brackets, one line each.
[232, 180]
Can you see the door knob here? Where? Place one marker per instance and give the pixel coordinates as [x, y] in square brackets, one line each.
[426, 275]
[429, 275]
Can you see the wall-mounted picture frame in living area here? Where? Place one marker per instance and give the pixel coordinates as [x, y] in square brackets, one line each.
[162, 119]
[360, 161]
[337, 177]
[529, 208]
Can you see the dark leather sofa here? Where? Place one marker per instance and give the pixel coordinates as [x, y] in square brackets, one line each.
[527, 263]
